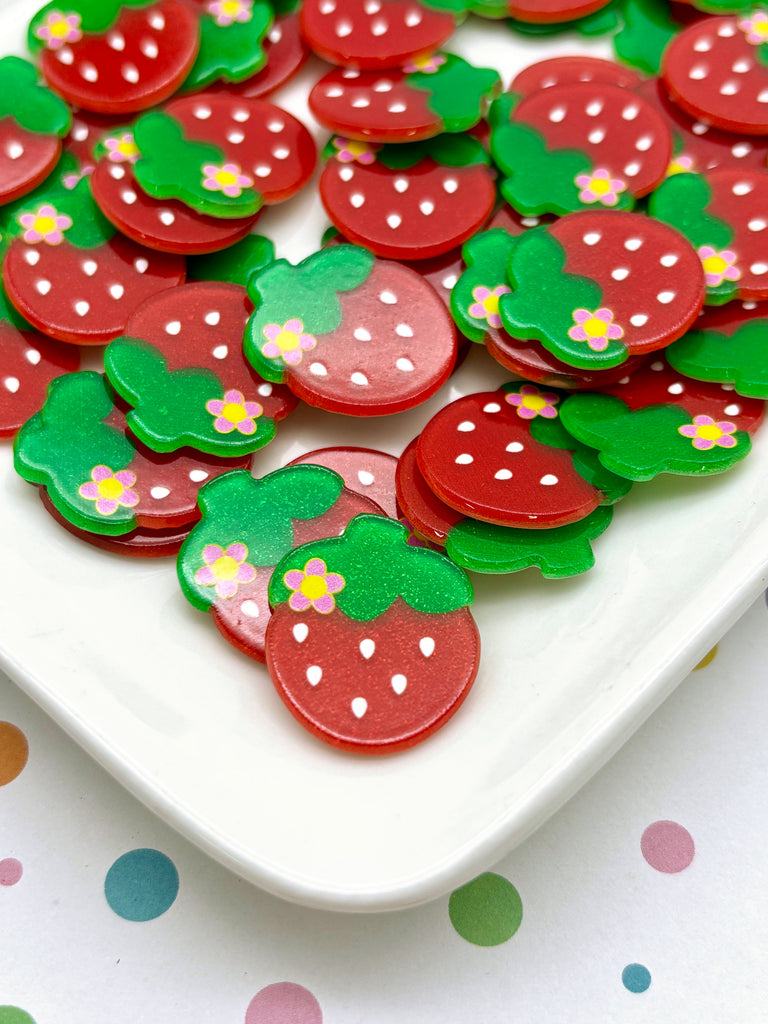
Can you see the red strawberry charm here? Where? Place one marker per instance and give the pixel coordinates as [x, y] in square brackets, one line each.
[363, 470]
[286, 53]
[115, 56]
[69, 273]
[547, 12]
[371, 644]
[439, 93]
[247, 526]
[376, 34]
[545, 74]
[716, 72]
[408, 201]
[33, 122]
[350, 333]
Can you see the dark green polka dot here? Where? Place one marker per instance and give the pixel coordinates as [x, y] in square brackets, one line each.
[487, 910]
[13, 1015]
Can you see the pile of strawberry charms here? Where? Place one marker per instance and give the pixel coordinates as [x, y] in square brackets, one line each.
[599, 228]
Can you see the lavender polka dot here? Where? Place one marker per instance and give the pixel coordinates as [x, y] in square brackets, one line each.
[284, 1003]
[10, 871]
[667, 846]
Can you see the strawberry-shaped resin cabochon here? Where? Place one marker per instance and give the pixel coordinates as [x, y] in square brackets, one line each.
[247, 526]
[66, 269]
[222, 156]
[180, 366]
[115, 56]
[350, 333]
[578, 146]
[371, 644]
[33, 122]
[596, 287]
[97, 475]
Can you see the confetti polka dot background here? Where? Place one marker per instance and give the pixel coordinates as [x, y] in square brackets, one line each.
[642, 900]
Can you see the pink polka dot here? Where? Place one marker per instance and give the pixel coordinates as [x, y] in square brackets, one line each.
[10, 871]
[284, 1003]
[667, 846]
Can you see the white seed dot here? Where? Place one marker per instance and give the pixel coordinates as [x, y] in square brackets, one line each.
[275, 126]
[404, 331]
[357, 199]
[397, 108]
[202, 113]
[167, 217]
[741, 149]
[729, 88]
[141, 265]
[350, 73]
[633, 244]
[530, 222]
[130, 73]
[65, 55]
[427, 207]
[557, 114]
[638, 319]
[594, 108]
[465, 426]
[149, 48]
[275, 34]
[620, 273]
[757, 224]
[281, 153]
[383, 86]
[241, 114]
[346, 173]
[596, 136]
[14, 150]
[492, 407]
[669, 260]
[82, 307]
[359, 378]
[700, 128]
[361, 102]
[128, 196]
[503, 474]
[394, 220]
[372, 6]
[361, 334]
[250, 609]
[676, 389]
[630, 113]
[632, 169]
[359, 707]
[404, 364]
[365, 477]
[32, 257]
[698, 72]
[263, 171]
[762, 97]
[465, 459]
[12, 384]
[427, 646]
[157, 21]
[117, 172]
[666, 297]
[220, 352]
[43, 286]
[265, 390]
[450, 185]
[379, 27]
[197, 475]
[116, 291]
[90, 267]
[173, 327]
[159, 492]
[413, 18]
[549, 479]
[334, 91]
[741, 66]
[449, 282]
[592, 237]
[703, 45]
[314, 675]
[401, 185]
[235, 137]
[726, 30]
[399, 683]
[514, 446]
[89, 72]
[389, 298]
[759, 268]
[742, 188]
[732, 410]
[367, 647]
[318, 369]
[644, 143]
[116, 40]
[343, 28]
[327, 7]
[33, 356]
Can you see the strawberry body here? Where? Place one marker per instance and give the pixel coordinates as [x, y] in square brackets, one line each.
[286, 53]
[139, 61]
[545, 74]
[376, 34]
[28, 363]
[26, 159]
[363, 470]
[546, 12]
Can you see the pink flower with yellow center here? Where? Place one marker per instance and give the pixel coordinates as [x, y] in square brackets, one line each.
[718, 266]
[755, 27]
[287, 341]
[227, 12]
[599, 187]
[59, 29]
[227, 179]
[234, 413]
[47, 225]
[705, 433]
[682, 164]
[110, 490]
[597, 328]
[314, 587]
[486, 304]
[122, 148]
[351, 151]
[225, 569]
[531, 402]
[426, 65]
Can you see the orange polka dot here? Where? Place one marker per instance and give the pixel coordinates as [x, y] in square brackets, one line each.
[707, 659]
[14, 751]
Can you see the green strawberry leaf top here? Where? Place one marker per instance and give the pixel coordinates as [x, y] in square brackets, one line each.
[365, 570]
[231, 44]
[81, 460]
[256, 514]
[560, 552]
[448, 150]
[645, 28]
[457, 91]
[544, 300]
[681, 201]
[539, 179]
[57, 23]
[475, 296]
[740, 359]
[192, 407]
[657, 439]
[235, 264]
[53, 207]
[196, 173]
[295, 304]
[32, 106]
[456, 7]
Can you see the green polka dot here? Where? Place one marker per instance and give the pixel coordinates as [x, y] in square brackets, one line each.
[13, 1015]
[486, 911]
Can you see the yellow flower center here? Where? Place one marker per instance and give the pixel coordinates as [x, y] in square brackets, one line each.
[225, 568]
[230, 7]
[226, 178]
[313, 587]
[715, 265]
[45, 225]
[759, 26]
[110, 488]
[676, 168]
[234, 412]
[128, 147]
[491, 305]
[595, 327]
[287, 341]
[356, 148]
[709, 433]
[58, 29]
[535, 402]
[600, 186]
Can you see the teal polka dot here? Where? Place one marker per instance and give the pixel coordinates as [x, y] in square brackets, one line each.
[636, 978]
[141, 885]
[13, 1015]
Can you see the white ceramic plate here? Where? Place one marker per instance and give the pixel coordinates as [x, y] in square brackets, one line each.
[110, 648]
